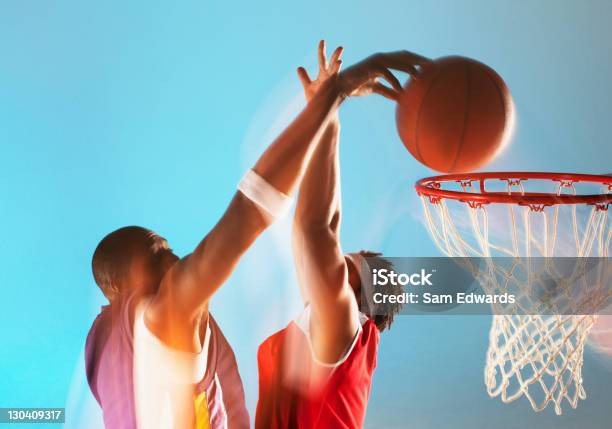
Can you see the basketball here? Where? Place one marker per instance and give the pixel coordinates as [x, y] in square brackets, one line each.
[456, 115]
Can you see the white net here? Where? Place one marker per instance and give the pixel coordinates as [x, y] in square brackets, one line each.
[537, 356]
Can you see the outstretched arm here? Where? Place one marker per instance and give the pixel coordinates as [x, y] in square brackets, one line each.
[178, 307]
[320, 264]
[182, 299]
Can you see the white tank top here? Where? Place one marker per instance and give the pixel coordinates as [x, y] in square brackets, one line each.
[165, 379]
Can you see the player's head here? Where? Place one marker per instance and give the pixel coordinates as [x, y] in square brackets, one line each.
[382, 321]
[131, 259]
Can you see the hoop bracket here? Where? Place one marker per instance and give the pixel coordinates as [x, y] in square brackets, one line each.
[565, 183]
[536, 208]
[475, 204]
[465, 183]
[514, 182]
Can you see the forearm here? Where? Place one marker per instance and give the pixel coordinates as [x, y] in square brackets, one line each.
[195, 279]
[319, 198]
[284, 161]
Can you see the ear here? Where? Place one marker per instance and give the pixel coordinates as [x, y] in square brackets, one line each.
[115, 290]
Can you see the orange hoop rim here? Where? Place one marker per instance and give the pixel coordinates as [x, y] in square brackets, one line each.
[431, 187]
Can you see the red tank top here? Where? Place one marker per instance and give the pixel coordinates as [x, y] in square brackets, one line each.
[296, 391]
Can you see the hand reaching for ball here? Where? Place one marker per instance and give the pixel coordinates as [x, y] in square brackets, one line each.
[364, 77]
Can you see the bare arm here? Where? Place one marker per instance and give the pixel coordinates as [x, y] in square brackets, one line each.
[319, 261]
[175, 313]
[182, 299]
[320, 264]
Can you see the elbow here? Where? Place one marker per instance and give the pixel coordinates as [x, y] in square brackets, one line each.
[311, 225]
[319, 237]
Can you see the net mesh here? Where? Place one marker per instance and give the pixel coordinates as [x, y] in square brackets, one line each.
[537, 356]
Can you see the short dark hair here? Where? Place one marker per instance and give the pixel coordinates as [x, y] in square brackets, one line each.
[385, 319]
[113, 257]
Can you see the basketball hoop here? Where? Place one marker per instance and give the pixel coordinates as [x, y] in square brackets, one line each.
[525, 214]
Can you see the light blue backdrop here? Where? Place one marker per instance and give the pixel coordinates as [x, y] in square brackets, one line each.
[115, 113]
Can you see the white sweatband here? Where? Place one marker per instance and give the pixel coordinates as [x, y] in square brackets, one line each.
[267, 198]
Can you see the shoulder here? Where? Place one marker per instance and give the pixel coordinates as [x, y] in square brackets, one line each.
[367, 344]
[274, 343]
[116, 319]
[370, 333]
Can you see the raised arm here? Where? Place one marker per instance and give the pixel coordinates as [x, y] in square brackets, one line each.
[320, 264]
[183, 295]
[319, 261]
[176, 310]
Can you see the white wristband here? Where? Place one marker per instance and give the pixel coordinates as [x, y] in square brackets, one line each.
[273, 202]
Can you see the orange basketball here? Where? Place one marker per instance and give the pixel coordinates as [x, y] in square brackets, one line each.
[455, 116]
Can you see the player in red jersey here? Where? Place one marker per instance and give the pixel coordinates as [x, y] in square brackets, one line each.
[317, 372]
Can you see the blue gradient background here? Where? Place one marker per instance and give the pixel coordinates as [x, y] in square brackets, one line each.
[115, 113]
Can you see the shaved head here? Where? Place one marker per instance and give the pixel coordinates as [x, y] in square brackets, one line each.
[128, 259]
